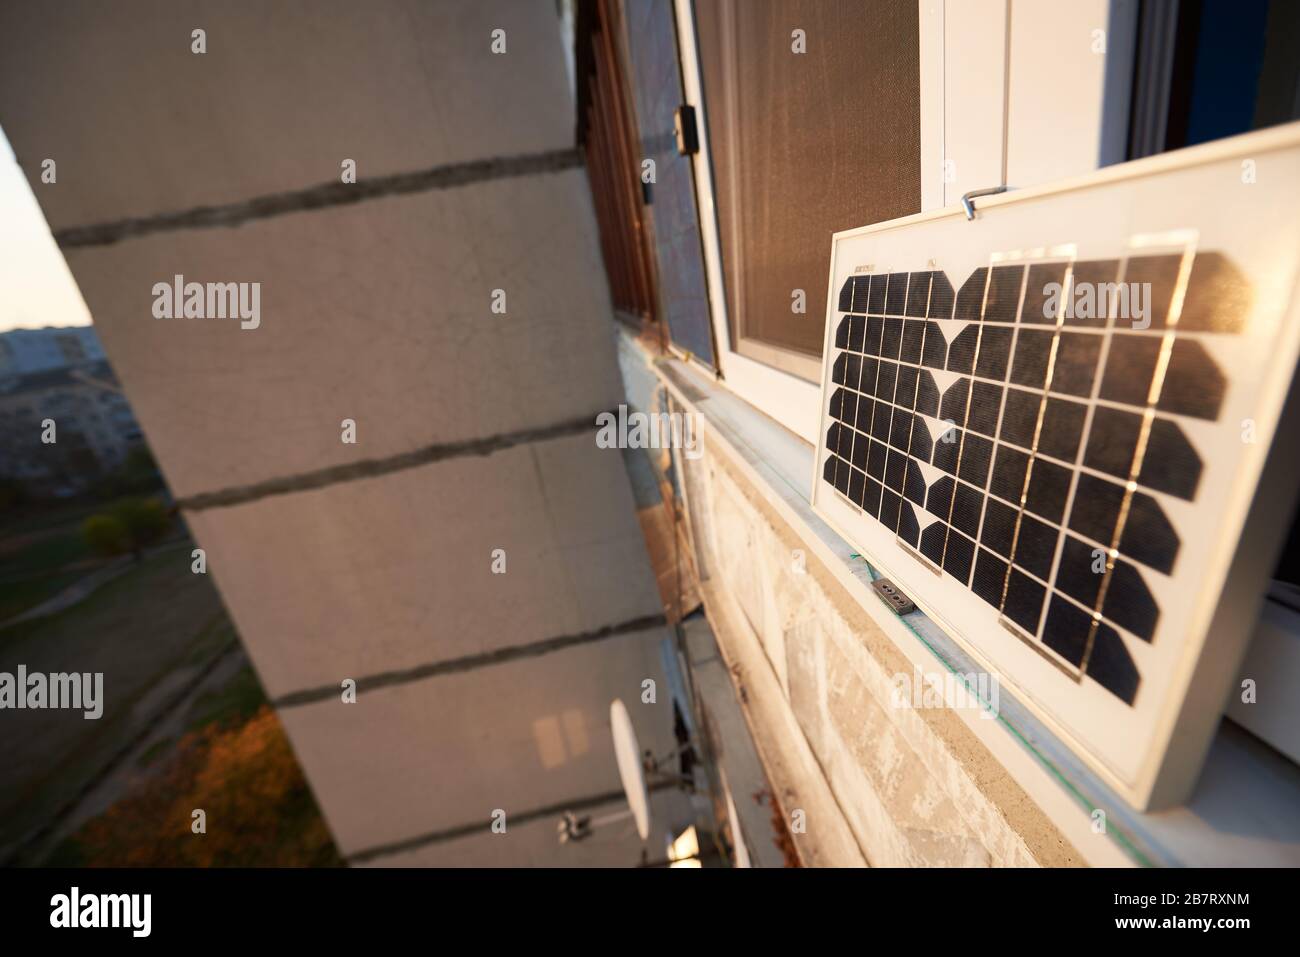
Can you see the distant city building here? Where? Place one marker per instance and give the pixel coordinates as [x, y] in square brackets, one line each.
[60, 375]
[24, 351]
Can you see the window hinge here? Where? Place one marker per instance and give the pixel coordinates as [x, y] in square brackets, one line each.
[688, 134]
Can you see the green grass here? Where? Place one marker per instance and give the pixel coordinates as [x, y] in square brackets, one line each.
[297, 838]
[151, 754]
[18, 597]
[218, 634]
[37, 570]
[67, 853]
[137, 629]
[231, 705]
[35, 554]
[46, 554]
[28, 518]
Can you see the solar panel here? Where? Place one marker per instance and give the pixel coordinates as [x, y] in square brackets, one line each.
[1047, 426]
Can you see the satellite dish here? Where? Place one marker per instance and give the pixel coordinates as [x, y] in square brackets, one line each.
[628, 753]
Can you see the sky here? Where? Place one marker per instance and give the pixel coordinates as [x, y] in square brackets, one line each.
[36, 288]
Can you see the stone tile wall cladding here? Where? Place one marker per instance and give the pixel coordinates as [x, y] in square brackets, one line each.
[915, 786]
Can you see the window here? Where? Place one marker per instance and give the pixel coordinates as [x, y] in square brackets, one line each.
[672, 218]
[921, 103]
[605, 132]
[642, 176]
[1206, 69]
[71, 348]
[813, 121]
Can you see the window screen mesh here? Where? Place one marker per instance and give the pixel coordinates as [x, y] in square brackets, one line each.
[805, 144]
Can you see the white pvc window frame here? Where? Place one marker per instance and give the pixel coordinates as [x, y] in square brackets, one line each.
[978, 120]
[789, 399]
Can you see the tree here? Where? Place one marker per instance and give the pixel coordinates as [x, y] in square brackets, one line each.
[139, 463]
[259, 809]
[106, 535]
[128, 527]
[145, 519]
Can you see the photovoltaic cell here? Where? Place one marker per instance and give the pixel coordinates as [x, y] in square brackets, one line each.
[1020, 433]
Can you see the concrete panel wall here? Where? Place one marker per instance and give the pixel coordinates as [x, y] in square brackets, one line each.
[378, 312]
[391, 573]
[286, 90]
[431, 756]
[611, 844]
[474, 430]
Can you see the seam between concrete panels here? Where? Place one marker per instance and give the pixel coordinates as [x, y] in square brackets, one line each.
[478, 827]
[373, 468]
[321, 196]
[387, 679]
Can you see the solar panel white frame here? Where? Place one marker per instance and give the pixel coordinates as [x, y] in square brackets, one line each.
[1236, 200]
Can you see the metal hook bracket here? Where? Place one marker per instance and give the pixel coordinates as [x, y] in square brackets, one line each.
[967, 200]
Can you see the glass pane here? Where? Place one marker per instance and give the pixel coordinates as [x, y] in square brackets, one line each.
[814, 126]
[683, 295]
